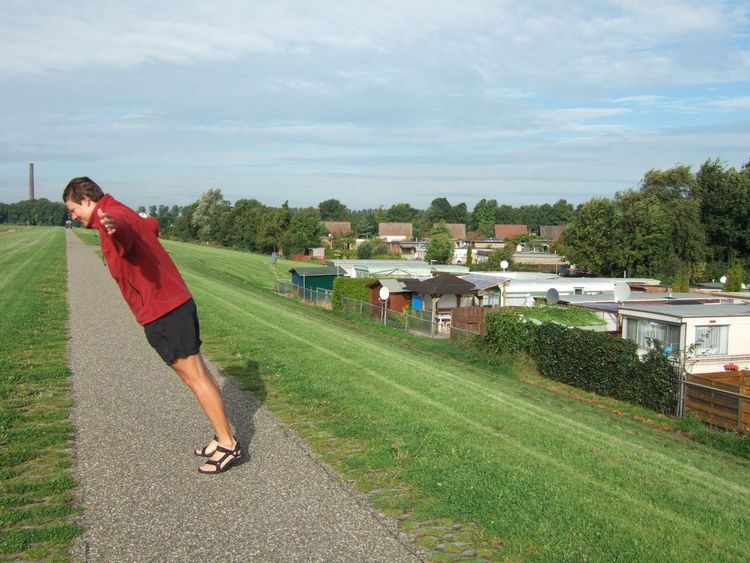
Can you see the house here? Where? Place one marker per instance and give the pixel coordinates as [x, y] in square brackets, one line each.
[704, 336]
[510, 231]
[316, 278]
[399, 297]
[334, 228]
[391, 232]
[439, 295]
[393, 268]
[458, 230]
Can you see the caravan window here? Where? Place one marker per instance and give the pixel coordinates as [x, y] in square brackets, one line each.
[645, 331]
[711, 340]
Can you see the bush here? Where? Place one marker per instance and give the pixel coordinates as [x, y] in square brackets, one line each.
[350, 288]
[508, 333]
[593, 361]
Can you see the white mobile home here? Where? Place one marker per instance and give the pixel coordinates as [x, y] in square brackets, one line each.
[705, 336]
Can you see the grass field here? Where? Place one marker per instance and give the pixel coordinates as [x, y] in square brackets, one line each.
[35, 456]
[522, 474]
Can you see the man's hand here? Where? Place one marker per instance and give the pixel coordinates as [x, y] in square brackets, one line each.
[107, 222]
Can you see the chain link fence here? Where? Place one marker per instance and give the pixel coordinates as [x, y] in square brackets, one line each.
[321, 297]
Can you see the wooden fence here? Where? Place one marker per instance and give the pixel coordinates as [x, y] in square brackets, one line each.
[720, 399]
[468, 319]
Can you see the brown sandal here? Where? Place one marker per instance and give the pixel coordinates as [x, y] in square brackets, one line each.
[203, 452]
[223, 463]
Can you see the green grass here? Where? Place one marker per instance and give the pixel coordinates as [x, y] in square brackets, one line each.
[36, 486]
[468, 457]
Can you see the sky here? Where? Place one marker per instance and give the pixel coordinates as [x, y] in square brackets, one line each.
[368, 102]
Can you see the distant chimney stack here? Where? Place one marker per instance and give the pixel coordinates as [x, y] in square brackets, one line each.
[31, 181]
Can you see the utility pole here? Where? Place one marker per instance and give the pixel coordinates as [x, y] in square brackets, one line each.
[31, 181]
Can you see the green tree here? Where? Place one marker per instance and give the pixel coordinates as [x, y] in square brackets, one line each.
[305, 230]
[725, 210]
[483, 217]
[333, 210]
[496, 258]
[364, 223]
[470, 256]
[439, 210]
[440, 248]
[208, 214]
[272, 229]
[240, 226]
[183, 227]
[593, 239]
[507, 215]
[371, 249]
[400, 213]
[735, 278]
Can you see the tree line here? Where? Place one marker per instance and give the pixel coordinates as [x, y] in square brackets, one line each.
[677, 225]
[251, 225]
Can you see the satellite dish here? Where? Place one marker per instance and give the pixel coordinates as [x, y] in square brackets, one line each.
[552, 296]
[504, 265]
[723, 279]
[384, 293]
[622, 291]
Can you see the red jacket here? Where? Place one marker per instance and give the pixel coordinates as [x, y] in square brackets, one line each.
[148, 279]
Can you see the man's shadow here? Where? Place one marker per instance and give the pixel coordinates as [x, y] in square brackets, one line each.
[244, 393]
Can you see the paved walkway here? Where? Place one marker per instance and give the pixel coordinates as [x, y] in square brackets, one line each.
[136, 427]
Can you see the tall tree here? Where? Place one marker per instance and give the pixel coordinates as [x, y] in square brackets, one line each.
[440, 248]
[333, 210]
[364, 223]
[401, 213]
[483, 217]
[593, 238]
[439, 210]
[208, 214]
[305, 230]
[272, 229]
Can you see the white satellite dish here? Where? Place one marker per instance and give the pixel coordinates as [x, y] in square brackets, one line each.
[384, 293]
[552, 296]
[504, 265]
[622, 291]
[723, 279]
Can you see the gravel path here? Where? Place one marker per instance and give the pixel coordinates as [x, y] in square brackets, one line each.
[136, 427]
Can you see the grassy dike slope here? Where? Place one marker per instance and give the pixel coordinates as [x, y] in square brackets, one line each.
[540, 476]
[35, 433]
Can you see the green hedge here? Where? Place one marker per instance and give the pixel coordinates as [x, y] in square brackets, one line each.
[350, 288]
[598, 362]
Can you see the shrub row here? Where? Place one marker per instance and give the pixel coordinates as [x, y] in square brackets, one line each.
[350, 288]
[598, 362]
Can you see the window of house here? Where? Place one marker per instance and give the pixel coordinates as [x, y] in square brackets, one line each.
[645, 331]
[711, 340]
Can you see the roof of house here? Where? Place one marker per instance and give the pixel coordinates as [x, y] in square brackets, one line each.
[508, 231]
[338, 227]
[692, 311]
[394, 229]
[458, 230]
[441, 284]
[394, 286]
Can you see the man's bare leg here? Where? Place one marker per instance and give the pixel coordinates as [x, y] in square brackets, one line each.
[196, 375]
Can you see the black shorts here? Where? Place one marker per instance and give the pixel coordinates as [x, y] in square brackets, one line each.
[176, 334]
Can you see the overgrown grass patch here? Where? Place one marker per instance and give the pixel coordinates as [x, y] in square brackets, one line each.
[35, 432]
[442, 441]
